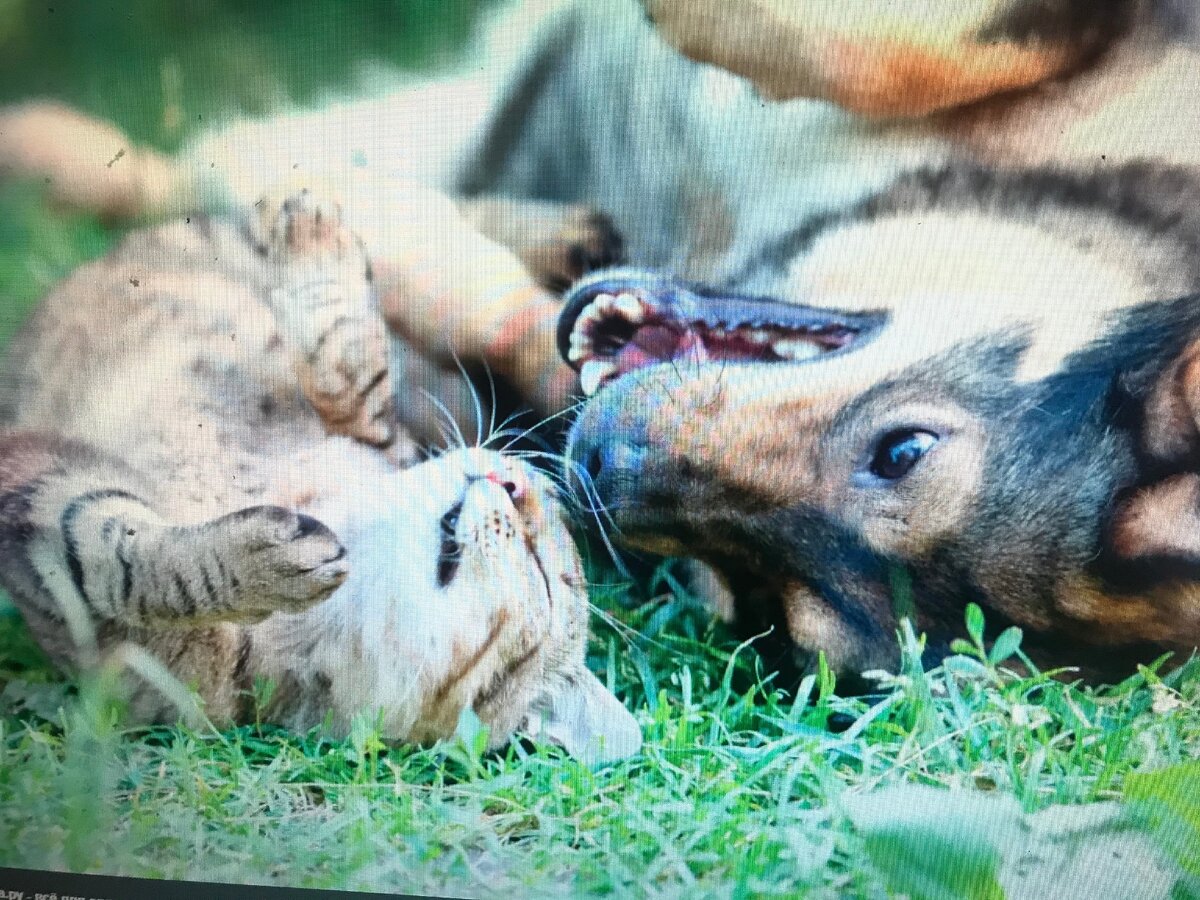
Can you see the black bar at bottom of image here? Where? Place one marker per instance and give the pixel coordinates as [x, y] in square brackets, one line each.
[27, 884]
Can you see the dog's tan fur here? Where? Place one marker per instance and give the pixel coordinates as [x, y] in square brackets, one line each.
[755, 467]
[900, 59]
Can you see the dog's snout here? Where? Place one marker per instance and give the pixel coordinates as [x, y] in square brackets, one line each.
[610, 455]
[630, 456]
[607, 455]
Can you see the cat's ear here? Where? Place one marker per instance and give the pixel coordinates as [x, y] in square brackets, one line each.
[580, 715]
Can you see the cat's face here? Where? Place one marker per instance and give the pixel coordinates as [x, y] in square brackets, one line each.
[468, 592]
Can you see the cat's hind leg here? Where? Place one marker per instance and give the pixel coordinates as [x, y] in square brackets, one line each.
[325, 305]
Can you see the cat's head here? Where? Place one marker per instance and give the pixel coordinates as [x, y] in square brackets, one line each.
[497, 609]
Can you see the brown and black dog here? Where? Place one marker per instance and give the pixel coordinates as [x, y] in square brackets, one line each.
[930, 346]
[970, 391]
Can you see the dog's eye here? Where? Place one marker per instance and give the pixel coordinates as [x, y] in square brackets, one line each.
[899, 451]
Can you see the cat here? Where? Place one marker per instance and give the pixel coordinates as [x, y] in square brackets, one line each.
[204, 460]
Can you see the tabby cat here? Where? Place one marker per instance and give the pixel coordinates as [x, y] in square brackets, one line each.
[205, 461]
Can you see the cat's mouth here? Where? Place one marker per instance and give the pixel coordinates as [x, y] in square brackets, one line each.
[492, 515]
[450, 552]
[618, 322]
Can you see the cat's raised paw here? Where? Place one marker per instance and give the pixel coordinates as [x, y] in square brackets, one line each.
[304, 223]
[282, 560]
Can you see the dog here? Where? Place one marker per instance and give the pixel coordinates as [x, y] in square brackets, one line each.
[828, 400]
[800, 213]
[999, 408]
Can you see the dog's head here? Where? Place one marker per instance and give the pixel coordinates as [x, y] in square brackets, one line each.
[902, 58]
[964, 390]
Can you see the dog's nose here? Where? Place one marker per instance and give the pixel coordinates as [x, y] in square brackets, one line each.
[607, 456]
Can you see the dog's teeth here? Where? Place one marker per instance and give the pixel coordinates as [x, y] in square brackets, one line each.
[594, 372]
[588, 316]
[581, 346]
[603, 303]
[757, 336]
[629, 306]
[797, 350]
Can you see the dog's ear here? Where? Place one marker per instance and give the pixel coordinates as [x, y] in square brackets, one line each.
[1161, 519]
[1160, 522]
[1170, 432]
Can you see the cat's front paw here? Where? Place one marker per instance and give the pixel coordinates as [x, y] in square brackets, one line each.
[283, 561]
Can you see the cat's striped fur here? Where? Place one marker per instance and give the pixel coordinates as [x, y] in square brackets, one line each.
[205, 461]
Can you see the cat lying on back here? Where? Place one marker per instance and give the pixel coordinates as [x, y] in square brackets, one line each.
[205, 461]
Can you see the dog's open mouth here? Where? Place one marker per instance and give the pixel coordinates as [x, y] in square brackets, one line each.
[620, 323]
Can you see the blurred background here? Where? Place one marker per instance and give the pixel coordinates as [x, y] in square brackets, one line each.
[163, 69]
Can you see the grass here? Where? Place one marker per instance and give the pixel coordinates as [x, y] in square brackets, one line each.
[743, 789]
[738, 792]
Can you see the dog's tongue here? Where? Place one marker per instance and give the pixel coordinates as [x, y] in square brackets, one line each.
[660, 343]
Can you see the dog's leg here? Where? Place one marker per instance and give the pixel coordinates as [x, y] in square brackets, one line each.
[455, 294]
[557, 242]
[891, 60]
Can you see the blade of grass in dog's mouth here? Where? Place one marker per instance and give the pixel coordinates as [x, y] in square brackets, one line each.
[616, 323]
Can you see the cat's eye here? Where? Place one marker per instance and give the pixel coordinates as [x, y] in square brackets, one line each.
[450, 553]
[898, 451]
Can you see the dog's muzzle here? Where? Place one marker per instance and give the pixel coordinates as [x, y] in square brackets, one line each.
[648, 347]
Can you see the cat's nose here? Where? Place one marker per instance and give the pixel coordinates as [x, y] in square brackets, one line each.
[512, 479]
[503, 471]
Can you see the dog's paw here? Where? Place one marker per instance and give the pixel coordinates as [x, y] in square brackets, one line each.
[586, 240]
[556, 242]
[592, 241]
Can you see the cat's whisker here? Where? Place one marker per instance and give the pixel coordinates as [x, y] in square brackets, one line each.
[602, 528]
[478, 404]
[487, 370]
[517, 433]
[445, 411]
[572, 408]
[447, 440]
[594, 505]
[627, 633]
